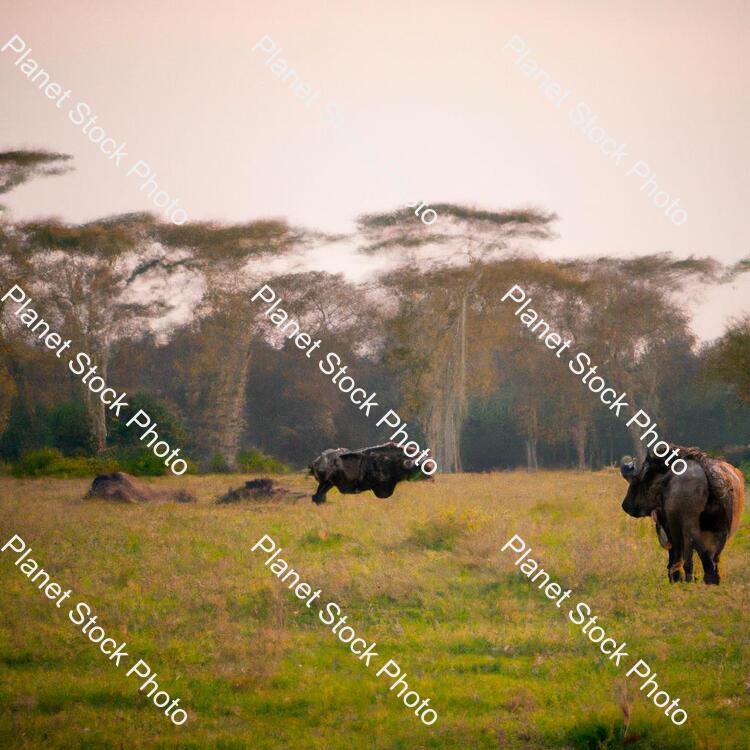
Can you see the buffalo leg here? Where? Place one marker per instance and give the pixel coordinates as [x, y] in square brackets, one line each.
[674, 571]
[672, 576]
[679, 544]
[384, 490]
[718, 548]
[662, 532]
[684, 535]
[713, 542]
[710, 568]
[320, 494]
[689, 563]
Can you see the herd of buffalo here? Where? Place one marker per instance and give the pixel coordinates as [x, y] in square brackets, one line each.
[696, 511]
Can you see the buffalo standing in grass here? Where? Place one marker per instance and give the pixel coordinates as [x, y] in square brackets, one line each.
[697, 510]
[379, 468]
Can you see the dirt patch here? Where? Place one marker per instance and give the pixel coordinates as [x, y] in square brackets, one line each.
[121, 488]
[124, 488]
[260, 491]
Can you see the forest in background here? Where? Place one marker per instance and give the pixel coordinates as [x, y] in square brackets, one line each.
[165, 311]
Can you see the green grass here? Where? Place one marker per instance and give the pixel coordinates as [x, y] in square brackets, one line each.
[422, 574]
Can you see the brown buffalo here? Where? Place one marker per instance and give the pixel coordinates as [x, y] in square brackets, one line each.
[697, 510]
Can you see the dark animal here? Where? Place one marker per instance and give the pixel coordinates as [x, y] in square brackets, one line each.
[697, 510]
[379, 468]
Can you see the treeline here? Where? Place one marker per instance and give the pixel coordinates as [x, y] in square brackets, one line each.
[165, 311]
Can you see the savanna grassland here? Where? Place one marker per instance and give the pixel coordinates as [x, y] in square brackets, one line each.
[422, 574]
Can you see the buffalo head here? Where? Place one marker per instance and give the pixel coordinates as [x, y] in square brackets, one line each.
[644, 494]
[628, 469]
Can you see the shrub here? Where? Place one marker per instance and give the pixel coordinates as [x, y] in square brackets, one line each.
[254, 461]
[49, 462]
[70, 429]
[168, 424]
[219, 464]
[33, 463]
[145, 464]
[140, 461]
[77, 468]
[26, 431]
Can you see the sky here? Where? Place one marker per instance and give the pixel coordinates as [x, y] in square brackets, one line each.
[418, 101]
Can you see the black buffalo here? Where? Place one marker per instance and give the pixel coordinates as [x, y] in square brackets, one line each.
[697, 510]
[379, 468]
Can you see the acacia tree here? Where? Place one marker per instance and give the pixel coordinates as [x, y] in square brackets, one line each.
[628, 318]
[454, 253]
[729, 357]
[18, 167]
[546, 404]
[89, 279]
[309, 411]
[10, 352]
[233, 261]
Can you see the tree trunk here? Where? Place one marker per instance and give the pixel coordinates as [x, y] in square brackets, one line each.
[639, 447]
[532, 461]
[459, 408]
[95, 407]
[231, 400]
[98, 417]
[579, 437]
[448, 408]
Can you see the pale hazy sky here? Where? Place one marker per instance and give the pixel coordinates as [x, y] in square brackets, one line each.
[432, 107]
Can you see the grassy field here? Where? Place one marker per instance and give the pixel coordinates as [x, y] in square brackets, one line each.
[422, 574]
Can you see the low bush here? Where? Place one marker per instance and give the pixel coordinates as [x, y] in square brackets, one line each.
[34, 463]
[219, 464]
[144, 464]
[49, 462]
[255, 462]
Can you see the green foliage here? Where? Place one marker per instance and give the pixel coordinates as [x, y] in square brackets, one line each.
[144, 464]
[593, 734]
[169, 426]
[70, 429]
[596, 735]
[50, 462]
[34, 463]
[26, 431]
[745, 469]
[219, 464]
[729, 358]
[253, 461]
[65, 427]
